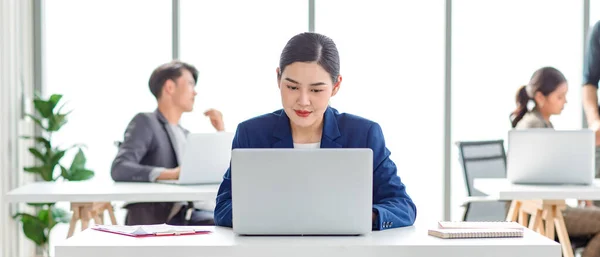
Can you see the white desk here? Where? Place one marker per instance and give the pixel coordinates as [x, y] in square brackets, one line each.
[90, 200]
[504, 190]
[89, 191]
[539, 206]
[223, 242]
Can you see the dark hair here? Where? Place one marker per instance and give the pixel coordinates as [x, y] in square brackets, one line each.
[311, 47]
[169, 71]
[545, 80]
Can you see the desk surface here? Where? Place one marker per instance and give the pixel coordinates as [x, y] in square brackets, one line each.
[89, 191]
[400, 242]
[504, 190]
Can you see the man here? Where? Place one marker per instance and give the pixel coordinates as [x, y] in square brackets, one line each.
[153, 145]
[591, 76]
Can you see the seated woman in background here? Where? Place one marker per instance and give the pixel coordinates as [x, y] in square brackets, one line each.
[547, 89]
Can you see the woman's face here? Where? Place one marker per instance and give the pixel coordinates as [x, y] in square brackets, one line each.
[554, 102]
[305, 92]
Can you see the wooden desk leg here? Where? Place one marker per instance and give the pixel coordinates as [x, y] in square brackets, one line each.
[523, 218]
[548, 211]
[536, 223]
[111, 214]
[97, 218]
[73, 222]
[549, 219]
[85, 217]
[513, 211]
[561, 232]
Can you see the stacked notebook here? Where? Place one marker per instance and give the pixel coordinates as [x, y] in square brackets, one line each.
[150, 230]
[477, 229]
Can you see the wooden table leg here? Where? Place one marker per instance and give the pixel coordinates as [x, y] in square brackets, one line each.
[111, 214]
[523, 217]
[563, 236]
[549, 219]
[536, 223]
[73, 222]
[85, 212]
[548, 212]
[513, 211]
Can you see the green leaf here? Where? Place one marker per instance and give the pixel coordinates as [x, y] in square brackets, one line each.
[46, 108]
[80, 175]
[44, 171]
[40, 140]
[78, 161]
[36, 120]
[54, 99]
[64, 172]
[33, 228]
[55, 122]
[43, 217]
[58, 216]
[37, 154]
[55, 157]
[36, 169]
[43, 107]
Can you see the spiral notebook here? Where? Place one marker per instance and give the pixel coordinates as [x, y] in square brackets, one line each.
[480, 225]
[475, 233]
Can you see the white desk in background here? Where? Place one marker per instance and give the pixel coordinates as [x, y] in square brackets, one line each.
[89, 191]
[400, 242]
[534, 205]
[89, 199]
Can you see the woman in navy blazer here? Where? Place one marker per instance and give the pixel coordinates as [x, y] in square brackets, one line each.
[308, 76]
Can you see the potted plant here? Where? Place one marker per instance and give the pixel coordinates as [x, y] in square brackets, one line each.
[50, 167]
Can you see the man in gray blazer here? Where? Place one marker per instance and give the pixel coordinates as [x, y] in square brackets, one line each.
[153, 146]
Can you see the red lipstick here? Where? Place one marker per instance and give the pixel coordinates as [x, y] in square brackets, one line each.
[302, 114]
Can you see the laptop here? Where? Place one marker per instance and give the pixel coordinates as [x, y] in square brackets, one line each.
[302, 191]
[547, 156]
[205, 159]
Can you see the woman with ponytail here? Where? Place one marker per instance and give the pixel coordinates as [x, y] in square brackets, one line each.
[547, 91]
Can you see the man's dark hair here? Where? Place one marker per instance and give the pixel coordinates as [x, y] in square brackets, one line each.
[169, 71]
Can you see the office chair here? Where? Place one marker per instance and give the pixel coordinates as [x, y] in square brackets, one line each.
[482, 159]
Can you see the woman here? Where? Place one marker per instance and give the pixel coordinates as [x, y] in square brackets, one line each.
[547, 90]
[308, 76]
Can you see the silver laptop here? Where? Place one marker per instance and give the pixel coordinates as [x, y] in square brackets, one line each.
[205, 159]
[547, 156]
[302, 191]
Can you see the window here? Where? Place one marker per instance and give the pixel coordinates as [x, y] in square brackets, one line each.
[496, 47]
[102, 66]
[392, 64]
[99, 55]
[236, 46]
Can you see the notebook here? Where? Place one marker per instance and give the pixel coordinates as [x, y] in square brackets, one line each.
[479, 225]
[150, 230]
[475, 233]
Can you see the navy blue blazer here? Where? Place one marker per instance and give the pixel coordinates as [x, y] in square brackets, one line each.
[391, 203]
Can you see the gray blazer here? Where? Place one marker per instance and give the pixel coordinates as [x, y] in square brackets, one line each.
[533, 119]
[147, 145]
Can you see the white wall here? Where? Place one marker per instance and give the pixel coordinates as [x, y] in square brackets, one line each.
[16, 82]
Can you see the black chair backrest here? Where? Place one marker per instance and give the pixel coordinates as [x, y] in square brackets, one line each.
[481, 159]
